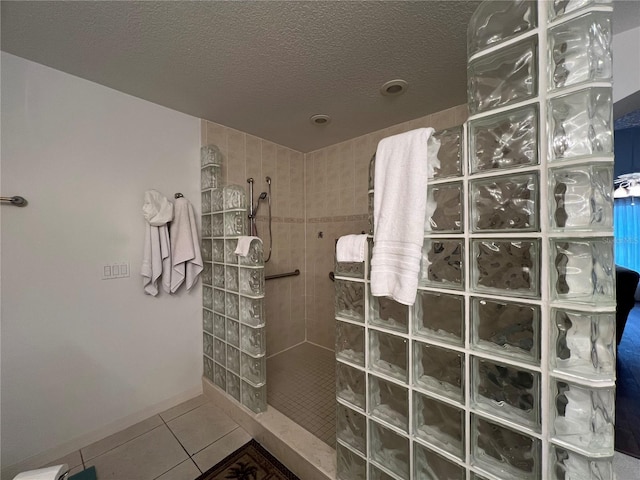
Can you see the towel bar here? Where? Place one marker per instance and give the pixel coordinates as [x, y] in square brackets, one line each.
[295, 273]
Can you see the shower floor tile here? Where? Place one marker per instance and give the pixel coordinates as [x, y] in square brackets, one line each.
[301, 384]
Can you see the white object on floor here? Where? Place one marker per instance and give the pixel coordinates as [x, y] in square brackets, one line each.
[186, 257]
[156, 260]
[244, 243]
[404, 163]
[351, 248]
[625, 466]
[49, 473]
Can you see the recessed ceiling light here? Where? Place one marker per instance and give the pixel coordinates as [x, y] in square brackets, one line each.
[320, 119]
[393, 88]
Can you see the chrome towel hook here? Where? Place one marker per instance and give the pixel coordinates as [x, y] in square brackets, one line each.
[15, 200]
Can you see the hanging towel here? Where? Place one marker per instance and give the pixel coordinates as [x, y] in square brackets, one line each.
[404, 162]
[186, 258]
[156, 260]
[351, 248]
[244, 243]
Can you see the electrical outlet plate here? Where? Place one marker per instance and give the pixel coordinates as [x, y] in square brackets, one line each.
[115, 270]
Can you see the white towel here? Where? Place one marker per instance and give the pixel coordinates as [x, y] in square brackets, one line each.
[157, 208]
[404, 162]
[156, 259]
[186, 258]
[244, 243]
[351, 248]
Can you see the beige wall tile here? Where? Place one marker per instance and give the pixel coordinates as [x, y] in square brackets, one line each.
[203, 132]
[283, 180]
[268, 160]
[217, 135]
[253, 149]
[236, 158]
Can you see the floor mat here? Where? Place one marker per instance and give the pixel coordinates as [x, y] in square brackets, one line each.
[628, 387]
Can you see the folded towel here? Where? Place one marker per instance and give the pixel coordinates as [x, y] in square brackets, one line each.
[186, 258]
[351, 248]
[404, 162]
[244, 243]
[157, 208]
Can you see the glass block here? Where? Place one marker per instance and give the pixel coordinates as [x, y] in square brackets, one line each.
[584, 344]
[254, 257]
[218, 301]
[506, 267]
[252, 311]
[207, 297]
[235, 223]
[206, 226]
[349, 466]
[439, 316]
[506, 328]
[252, 281]
[580, 50]
[205, 201]
[505, 453]
[220, 352]
[210, 177]
[558, 8]
[370, 214]
[218, 275]
[351, 428]
[508, 392]
[219, 326]
[254, 398]
[442, 263]
[207, 321]
[220, 376]
[254, 370]
[388, 354]
[207, 273]
[349, 269]
[350, 342]
[252, 340]
[506, 140]
[376, 473]
[207, 368]
[233, 359]
[582, 271]
[444, 208]
[372, 172]
[230, 251]
[495, 22]
[233, 333]
[233, 385]
[580, 124]
[231, 278]
[217, 251]
[207, 344]
[207, 250]
[439, 424]
[350, 385]
[503, 78]
[450, 153]
[439, 370]
[429, 465]
[505, 203]
[388, 313]
[234, 197]
[349, 300]
[389, 449]
[231, 306]
[217, 225]
[568, 465]
[389, 403]
[217, 200]
[583, 417]
[210, 155]
[581, 197]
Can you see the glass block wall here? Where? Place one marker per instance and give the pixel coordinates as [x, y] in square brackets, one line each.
[505, 366]
[233, 291]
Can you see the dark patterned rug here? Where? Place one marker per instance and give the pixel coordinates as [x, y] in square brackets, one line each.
[249, 462]
[628, 387]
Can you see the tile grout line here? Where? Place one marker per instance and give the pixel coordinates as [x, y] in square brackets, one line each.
[121, 444]
[181, 445]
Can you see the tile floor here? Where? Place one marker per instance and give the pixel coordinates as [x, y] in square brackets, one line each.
[301, 384]
[178, 444]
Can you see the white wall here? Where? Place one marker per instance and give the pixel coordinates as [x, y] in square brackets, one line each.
[82, 356]
[626, 63]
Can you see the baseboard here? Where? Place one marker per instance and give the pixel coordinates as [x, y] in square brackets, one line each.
[299, 450]
[52, 454]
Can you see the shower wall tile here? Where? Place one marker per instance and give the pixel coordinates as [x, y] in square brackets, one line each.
[236, 158]
[253, 149]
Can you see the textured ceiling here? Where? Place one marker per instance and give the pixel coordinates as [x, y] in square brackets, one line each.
[260, 67]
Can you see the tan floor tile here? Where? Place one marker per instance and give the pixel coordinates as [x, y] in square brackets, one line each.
[72, 460]
[214, 453]
[183, 408]
[112, 441]
[187, 470]
[201, 427]
[143, 458]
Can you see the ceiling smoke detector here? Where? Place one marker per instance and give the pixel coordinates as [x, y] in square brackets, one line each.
[320, 119]
[393, 88]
